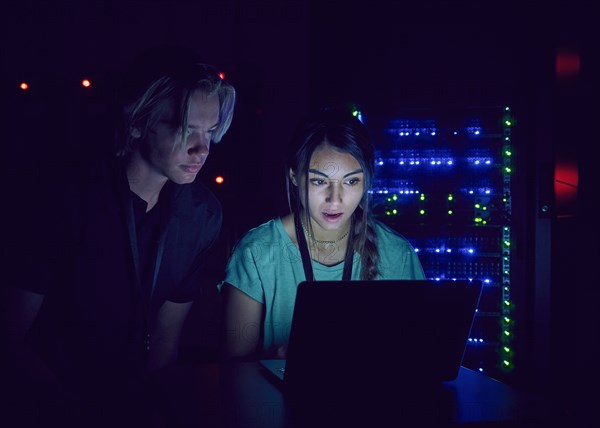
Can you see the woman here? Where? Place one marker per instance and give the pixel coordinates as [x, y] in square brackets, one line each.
[329, 235]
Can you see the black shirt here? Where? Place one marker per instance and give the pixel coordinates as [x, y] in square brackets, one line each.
[93, 321]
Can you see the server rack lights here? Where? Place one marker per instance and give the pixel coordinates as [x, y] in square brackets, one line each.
[443, 180]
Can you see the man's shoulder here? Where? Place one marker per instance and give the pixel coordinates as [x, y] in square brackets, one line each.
[199, 195]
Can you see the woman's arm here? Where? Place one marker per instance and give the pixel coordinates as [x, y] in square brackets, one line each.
[242, 324]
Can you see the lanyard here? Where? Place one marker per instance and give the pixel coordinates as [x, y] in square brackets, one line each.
[145, 298]
[133, 243]
[306, 260]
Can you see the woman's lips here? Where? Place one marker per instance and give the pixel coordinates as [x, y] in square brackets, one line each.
[332, 217]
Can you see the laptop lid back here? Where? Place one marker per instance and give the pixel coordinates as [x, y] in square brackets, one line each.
[359, 332]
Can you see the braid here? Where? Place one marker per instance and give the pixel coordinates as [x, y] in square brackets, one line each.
[370, 256]
[365, 244]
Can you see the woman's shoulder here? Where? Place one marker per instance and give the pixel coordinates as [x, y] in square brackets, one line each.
[386, 233]
[271, 230]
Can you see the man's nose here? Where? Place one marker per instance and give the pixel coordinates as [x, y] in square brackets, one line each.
[199, 145]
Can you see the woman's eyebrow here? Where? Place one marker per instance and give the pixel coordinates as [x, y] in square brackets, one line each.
[316, 171]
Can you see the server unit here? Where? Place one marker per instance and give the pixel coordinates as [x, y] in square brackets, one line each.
[443, 180]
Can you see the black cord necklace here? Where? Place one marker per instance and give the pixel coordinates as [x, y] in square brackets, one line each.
[304, 253]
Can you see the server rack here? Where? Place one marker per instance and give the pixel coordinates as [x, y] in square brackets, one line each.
[443, 180]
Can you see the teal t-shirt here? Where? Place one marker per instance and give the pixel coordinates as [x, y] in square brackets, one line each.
[267, 266]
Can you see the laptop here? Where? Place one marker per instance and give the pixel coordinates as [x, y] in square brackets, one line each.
[354, 334]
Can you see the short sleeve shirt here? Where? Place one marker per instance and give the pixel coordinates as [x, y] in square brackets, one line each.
[267, 266]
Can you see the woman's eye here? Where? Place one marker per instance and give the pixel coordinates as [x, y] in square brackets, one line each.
[353, 181]
[317, 181]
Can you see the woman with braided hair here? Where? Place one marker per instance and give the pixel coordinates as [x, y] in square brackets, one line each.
[330, 234]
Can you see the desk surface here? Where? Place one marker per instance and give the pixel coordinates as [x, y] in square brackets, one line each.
[241, 395]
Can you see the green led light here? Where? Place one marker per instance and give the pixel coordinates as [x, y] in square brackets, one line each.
[450, 212]
[506, 244]
[450, 197]
[505, 288]
[506, 363]
[388, 213]
[506, 319]
[506, 108]
[355, 113]
[477, 219]
[389, 199]
[484, 222]
[506, 333]
[506, 303]
[477, 206]
[508, 170]
[395, 197]
[508, 123]
[508, 153]
[506, 138]
[506, 349]
[422, 212]
[484, 208]
[422, 197]
[394, 211]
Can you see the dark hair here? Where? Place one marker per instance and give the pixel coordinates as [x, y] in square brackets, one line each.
[173, 76]
[346, 133]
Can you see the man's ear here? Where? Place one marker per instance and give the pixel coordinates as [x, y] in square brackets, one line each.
[135, 132]
[293, 177]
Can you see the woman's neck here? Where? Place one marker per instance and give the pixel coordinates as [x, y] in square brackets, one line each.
[327, 254]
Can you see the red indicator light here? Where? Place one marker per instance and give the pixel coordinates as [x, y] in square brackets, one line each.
[567, 64]
[222, 75]
[219, 180]
[24, 86]
[86, 83]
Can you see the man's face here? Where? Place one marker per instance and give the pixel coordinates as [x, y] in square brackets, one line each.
[163, 150]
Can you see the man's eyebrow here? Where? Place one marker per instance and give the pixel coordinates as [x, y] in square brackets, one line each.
[316, 171]
[196, 126]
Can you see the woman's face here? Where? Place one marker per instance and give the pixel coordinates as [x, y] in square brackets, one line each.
[335, 189]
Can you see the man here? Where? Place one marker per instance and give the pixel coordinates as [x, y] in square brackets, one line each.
[120, 260]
